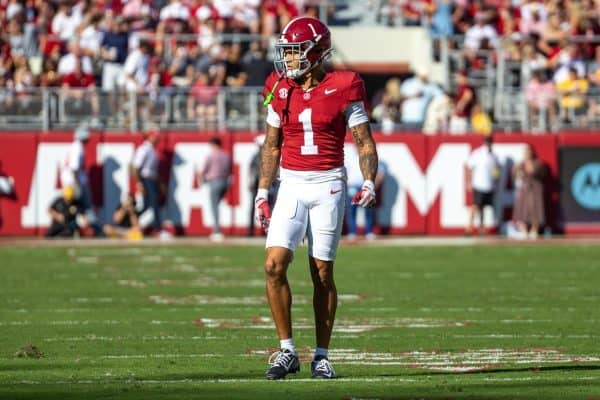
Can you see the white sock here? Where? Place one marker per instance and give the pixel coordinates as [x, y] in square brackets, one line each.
[320, 351]
[287, 344]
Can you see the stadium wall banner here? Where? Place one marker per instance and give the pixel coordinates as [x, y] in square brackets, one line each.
[423, 192]
[579, 160]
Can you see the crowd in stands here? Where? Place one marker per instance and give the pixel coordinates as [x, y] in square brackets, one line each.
[141, 45]
[137, 45]
[553, 43]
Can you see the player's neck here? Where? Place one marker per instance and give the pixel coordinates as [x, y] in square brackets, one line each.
[312, 78]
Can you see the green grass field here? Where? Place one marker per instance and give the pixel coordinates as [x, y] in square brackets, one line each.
[174, 322]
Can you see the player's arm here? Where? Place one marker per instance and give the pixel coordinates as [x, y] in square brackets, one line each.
[268, 166]
[368, 161]
[367, 152]
[269, 157]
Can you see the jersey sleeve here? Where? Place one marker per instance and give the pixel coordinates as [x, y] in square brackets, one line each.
[356, 90]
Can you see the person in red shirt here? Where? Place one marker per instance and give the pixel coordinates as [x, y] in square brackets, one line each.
[80, 87]
[308, 112]
[464, 100]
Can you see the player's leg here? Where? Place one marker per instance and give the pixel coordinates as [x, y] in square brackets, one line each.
[325, 226]
[324, 299]
[278, 289]
[286, 229]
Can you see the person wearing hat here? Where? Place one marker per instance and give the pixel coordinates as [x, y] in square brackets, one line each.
[483, 171]
[67, 215]
[145, 172]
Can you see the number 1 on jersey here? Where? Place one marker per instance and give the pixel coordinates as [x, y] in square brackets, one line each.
[309, 148]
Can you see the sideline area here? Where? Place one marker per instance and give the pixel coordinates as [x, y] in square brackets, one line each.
[392, 241]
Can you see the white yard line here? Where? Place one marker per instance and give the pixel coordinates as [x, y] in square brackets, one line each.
[340, 380]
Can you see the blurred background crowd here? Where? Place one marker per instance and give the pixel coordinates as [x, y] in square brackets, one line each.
[508, 64]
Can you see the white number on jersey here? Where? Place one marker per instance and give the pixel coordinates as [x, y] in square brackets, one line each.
[309, 148]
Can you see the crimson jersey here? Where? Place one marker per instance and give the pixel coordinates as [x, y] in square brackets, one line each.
[313, 122]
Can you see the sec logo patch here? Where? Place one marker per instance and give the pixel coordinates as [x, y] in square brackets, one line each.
[283, 93]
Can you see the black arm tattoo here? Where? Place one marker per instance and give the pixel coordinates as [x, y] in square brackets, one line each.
[367, 152]
[269, 157]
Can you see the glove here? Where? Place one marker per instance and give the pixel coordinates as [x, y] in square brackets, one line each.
[366, 195]
[262, 210]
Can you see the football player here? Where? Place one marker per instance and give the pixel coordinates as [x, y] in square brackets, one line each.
[309, 111]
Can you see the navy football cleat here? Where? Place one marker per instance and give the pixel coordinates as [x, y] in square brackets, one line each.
[281, 363]
[321, 368]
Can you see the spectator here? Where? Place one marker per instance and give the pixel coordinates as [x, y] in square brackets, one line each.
[202, 102]
[416, 93]
[79, 88]
[91, 38]
[483, 170]
[175, 10]
[216, 175]
[50, 76]
[541, 101]
[556, 29]
[594, 69]
[437, 117]
[125, 222]
[412, 12]
[481, 122]
[137, 67]
[529, 212]
[531, 60]
[67, 215]
[235, 76]
[66, 64]
[441, 18]
[386, 106]
[145, 173]
[533, 17]
[464, 100]
[113, 51]
[67, 19]
[481, 36]
[182, 65]
[73, 173]
[567, 58]
[572, 93]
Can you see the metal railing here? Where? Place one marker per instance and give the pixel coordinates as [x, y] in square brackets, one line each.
[168, 107]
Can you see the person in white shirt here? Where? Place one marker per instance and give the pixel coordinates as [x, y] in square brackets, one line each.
[416, 93]
[66, 64]
[174, 10]
[73, 171]
[483, 171]
[137, 67]
[480, 32]
[66, 20]
[145, 172]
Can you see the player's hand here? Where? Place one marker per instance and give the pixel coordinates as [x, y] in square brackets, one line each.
[262, 210]
[366, 195]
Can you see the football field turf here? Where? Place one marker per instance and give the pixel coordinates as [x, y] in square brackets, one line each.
[177, 322]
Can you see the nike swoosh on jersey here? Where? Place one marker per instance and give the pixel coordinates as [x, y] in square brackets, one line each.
[329, 91]
[335, 191]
